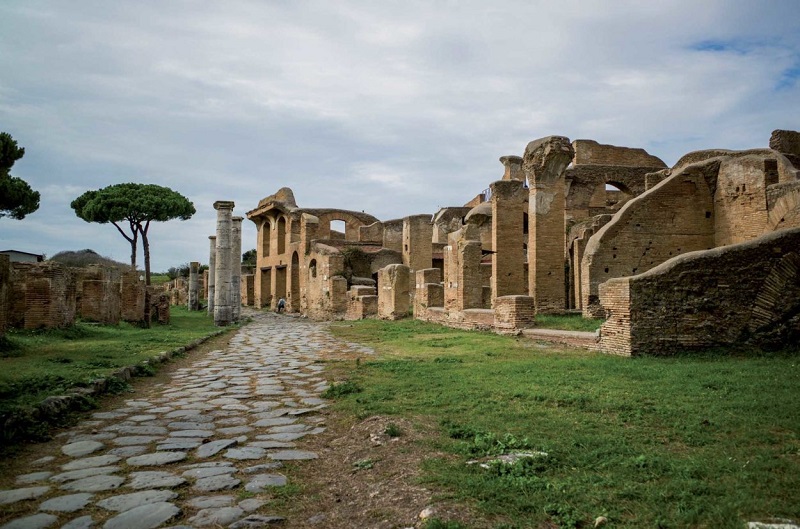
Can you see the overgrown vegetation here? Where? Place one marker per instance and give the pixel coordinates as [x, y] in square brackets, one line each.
[84, 258]
[703, 440]
[38, 364]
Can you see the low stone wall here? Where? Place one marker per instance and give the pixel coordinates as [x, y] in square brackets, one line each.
[513, 313]
[748, 293]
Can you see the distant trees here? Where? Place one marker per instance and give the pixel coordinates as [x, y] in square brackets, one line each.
[17, 199]
[249, 257]
[137, 205]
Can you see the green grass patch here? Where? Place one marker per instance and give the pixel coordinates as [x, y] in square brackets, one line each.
[690, 441]
[568, 322]
[38, 364]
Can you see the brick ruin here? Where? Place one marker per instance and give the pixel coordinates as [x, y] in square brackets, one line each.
[51, 295]
[569, 226]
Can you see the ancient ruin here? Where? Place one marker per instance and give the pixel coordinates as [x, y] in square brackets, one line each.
[701, 254]
[570, 226]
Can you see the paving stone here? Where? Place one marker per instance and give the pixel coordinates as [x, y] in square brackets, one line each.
[232, 421]
[37, 521]
[261, 468]
[216, 516]
[128, 451]
[69, 503]
[211, 502]
[205, 472]
[234, 430]
[256, 520]
[154, 479]
[290, 428]
[142, 418]
[156, 458]
[247, 452]
[144, 517]
[126, 502]
[171, 445]
[284, 455]
[72, 475]
[102, 436]
[108, 415]
[275, 421]
[188, 426]
[192, 433]
[27, 479]
[143, 430]
[15, 495]
[214, 447]
[271, 444]
[259, 482]
[81, 448]
[84, 522]
[43, 461]
[214, 483]
[136, 440]
[89, 462]
[286, 437]
[94, 484]
[251, 504]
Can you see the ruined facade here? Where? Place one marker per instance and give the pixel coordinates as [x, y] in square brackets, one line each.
[547, 236]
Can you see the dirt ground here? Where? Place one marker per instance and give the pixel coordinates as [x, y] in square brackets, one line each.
[363, 478]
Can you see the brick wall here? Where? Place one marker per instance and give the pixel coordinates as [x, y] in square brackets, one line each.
[248, 289]
[591, 152]
[45, 295]
[394, 296]
[672, 218]
[512, 313]
[5, 291]
[417, 242]
[98, 294]
[509, 205]
[132, 297]
[748, 292]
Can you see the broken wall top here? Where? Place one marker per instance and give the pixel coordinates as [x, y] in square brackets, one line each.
[590, 152]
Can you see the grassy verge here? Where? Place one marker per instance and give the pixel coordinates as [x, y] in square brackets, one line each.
[38, 364]
[693, 441]
[568, 322]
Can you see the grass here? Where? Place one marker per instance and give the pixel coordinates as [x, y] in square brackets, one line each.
[568, 322]
[705, 440]
[38, 364]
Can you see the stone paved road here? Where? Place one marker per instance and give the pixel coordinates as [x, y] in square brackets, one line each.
[184, 454]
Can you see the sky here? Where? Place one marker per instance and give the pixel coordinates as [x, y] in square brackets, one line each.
[395, 108]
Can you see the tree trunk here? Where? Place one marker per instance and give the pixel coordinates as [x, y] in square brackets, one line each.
[146, 248]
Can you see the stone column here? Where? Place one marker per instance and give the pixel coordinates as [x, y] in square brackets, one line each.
[223, 314]
[509, 204]
[236, 268]
[212, 270]
[513, 168]
[544, 164]
[194, 290]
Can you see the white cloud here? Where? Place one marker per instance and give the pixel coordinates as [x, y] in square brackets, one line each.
[393, 108]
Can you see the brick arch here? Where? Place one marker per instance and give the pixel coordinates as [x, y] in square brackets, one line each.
[352, 220]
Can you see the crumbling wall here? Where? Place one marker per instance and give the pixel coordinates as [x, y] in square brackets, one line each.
[509, 207]
[446, 221]
[463, 277]
[674, 217]
[786, 142]
[512, 313]
[393, 235]
[743, 293]
[394, 292]
[363, 302]
[5, 291]
[46, 295]
[417, 242]
[740, 208]
[325, 294]
[132, 297]
[544, 163]
[98, 294]
[248, 289]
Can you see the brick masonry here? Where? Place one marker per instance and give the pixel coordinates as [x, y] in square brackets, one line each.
[743, 293]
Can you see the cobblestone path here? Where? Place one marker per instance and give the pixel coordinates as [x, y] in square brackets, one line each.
[185, 453]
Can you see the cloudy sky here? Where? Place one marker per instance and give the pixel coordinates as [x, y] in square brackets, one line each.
[392, 107]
